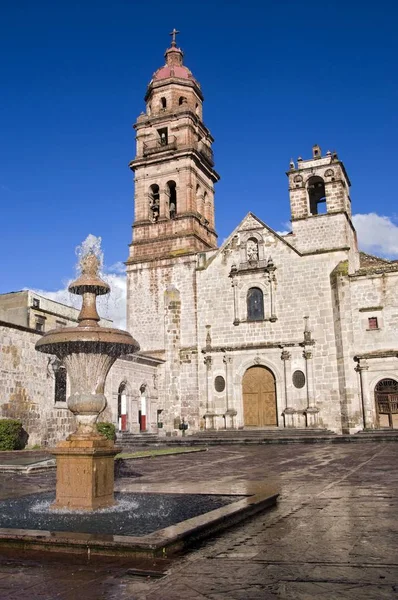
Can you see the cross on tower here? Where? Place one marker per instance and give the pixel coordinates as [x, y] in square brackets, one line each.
[173, 34]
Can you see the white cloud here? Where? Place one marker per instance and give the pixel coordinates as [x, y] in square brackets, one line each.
[377, 234]
[117, 267]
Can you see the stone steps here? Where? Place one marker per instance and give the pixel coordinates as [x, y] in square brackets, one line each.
[130, 441]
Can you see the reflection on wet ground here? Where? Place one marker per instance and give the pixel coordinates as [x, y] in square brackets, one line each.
[332, 535]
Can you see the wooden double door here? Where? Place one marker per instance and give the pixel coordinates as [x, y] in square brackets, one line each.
[259, 398]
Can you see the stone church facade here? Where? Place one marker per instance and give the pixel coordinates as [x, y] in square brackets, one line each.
[267, 331]
[294, 331]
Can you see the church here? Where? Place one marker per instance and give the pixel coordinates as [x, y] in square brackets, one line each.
[268, 330]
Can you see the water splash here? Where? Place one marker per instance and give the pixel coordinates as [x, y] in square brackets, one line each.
[43, 506]
[91, 245]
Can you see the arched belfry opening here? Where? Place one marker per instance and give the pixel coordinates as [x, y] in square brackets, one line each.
[154, 202]
[171, 191]
[259, 398]
[316, 195]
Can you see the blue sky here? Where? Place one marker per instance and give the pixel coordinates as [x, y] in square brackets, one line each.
[277, 78]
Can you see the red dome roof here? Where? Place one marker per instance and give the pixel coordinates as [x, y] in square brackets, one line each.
[173, 71]
[174, 66]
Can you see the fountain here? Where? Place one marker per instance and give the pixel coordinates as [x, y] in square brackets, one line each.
[85, 460]
[145, 519]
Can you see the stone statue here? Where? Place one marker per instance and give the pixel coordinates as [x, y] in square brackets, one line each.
[252, 251]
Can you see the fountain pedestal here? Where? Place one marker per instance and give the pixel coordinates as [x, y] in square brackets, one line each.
[85, 473]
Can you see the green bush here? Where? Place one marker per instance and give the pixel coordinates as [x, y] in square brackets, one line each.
[108, 430]
[12, 435]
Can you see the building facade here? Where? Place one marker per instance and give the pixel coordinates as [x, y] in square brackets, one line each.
[293, 331]
[34, 311]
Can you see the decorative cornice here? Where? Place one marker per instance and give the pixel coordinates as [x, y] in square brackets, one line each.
[253, 346]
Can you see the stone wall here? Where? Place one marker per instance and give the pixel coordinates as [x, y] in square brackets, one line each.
[364, 296]
[27, 388]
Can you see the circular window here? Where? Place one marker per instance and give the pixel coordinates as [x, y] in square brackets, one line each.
[219, 383]
[298, 379]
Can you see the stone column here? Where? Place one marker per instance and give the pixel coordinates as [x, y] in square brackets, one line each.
[288, 411]
[311, 412]
[271, 274]
[209, 416]
[230, 412]
[234, 284]
[366, 400]
[163, 201]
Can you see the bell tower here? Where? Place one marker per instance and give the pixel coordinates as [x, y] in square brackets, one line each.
[320, 206]
[173, 167]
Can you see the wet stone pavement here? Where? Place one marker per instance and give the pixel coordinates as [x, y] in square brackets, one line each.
[333, 534]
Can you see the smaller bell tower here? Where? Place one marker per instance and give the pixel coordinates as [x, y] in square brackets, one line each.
[173, 167]
[320, 204]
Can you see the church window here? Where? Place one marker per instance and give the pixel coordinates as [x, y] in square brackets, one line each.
[172, 194]
[182, 100]
[60, 384]
[163, 103]
[298, 379]
[255, 304]
[36, 303]
[163, 136]
[317, 195]
[373, 323]
[197, 108]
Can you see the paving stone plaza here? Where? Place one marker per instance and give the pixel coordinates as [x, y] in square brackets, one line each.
[333, 533]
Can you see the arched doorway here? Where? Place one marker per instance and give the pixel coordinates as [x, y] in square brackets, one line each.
[122, 407]
[259, 398]
[386, 398]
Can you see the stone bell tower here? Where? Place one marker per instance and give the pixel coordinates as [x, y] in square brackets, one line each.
[321, 206]
[174, 174]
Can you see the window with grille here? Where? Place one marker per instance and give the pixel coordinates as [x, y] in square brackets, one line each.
[373, 323]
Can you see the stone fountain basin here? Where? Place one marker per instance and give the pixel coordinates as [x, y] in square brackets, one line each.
[199, 510]
[96, 340]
